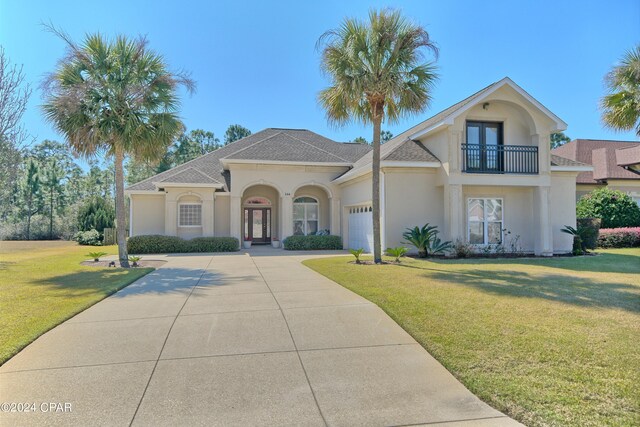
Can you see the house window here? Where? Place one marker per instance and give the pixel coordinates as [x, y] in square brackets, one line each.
[484, 146]
[305, 216]
[257, 201]
[190, 215]
[485, 221]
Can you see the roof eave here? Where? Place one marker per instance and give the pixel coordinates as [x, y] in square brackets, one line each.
[227, 162]
[161, 184]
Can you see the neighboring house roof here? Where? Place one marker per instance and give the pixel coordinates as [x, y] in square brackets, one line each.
[563, 161]
[602, 155]
[629, 158]
[271, 144]
[445, 116]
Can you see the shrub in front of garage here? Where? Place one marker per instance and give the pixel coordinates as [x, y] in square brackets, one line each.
[312, 242]
[157, 244]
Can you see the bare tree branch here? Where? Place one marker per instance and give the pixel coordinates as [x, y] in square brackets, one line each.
[14, 95]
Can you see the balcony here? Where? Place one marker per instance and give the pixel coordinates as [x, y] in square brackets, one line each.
[500, 159]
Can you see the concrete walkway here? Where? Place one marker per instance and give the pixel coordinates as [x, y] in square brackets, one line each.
[235, 340]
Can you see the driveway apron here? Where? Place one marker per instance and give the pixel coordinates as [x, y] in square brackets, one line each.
[236, 339]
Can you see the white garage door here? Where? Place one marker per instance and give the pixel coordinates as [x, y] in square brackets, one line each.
[361, 228]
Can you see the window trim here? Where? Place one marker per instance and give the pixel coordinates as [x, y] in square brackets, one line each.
[317, 204]
[485, 227]
[180, 214]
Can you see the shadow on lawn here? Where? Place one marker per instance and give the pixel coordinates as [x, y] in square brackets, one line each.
[600, 263]
[567, 289]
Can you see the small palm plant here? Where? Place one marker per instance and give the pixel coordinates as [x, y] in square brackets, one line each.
[397, 252]
[437, 246]
[134, 260]
[96, 255]
[356, 253]
[421, 238]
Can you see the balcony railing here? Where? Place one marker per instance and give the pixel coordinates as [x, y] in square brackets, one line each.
[500, 159]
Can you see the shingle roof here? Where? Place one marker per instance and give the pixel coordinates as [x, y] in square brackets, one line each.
[628, 156]
[601, 154]
[563, 161]
[298, 145]
[411, 151]
[190, 175]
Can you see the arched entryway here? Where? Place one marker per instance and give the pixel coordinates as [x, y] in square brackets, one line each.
[260, 210]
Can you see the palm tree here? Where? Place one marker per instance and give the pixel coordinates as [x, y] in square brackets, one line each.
[114, 97]
[621, 107]
[377, 73]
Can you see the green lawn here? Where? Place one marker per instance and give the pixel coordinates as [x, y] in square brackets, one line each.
[548, 341]
[42, 284]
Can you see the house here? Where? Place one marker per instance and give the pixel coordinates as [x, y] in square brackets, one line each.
[616, 164]
[481, 170]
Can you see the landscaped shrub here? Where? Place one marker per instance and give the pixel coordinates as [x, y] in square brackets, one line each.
[213, 244]
[426, 240]
[158, 244]
[590, 237]
[308, 243]
[619, 237]
[615, 208]
[90, 238]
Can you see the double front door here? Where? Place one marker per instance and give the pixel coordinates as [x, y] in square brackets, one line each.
[257, 225]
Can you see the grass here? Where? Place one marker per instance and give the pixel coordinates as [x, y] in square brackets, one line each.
[43, 284]
[547, 341]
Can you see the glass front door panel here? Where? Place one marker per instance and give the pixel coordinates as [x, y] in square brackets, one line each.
[257, 224]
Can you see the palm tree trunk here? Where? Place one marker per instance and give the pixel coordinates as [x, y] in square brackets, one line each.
[121, 228]
[375, 180]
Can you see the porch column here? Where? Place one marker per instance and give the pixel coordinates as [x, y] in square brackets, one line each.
[544, 236]
[454, 212]
[334, 206]
[235, 218]
[286, 216]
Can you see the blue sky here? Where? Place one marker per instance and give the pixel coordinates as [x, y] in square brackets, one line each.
[256, 64]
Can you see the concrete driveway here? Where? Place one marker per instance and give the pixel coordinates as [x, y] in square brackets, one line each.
[236, 339]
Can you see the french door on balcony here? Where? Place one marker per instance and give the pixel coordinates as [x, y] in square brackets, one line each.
[484, 149]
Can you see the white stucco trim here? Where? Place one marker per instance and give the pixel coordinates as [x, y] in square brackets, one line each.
[149, 192]
[403, 164]
[571, 168]
[186, 185]
[131, 216]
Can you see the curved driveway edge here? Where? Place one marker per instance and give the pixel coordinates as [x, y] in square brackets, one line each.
[236, 340]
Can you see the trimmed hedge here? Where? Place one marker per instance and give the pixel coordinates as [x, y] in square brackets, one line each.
[313, 242]
[619, 237]
[158, 244]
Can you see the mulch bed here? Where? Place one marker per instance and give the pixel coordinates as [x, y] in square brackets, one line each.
[154, 263]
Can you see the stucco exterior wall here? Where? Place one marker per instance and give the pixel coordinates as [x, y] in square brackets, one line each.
[221, 216]
[176, 195]
[411, 198]
[563, 188]
[147, 214]
[517, 212]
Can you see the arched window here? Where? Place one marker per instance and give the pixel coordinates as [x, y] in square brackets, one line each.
[305, 216]
[257, 201]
